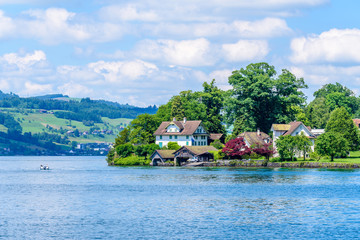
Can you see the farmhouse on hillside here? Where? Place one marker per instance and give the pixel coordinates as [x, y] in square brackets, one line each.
[184, 133]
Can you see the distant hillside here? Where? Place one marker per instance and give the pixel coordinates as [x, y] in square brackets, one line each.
[57, 124]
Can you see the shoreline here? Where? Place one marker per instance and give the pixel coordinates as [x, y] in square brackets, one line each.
[263, 164]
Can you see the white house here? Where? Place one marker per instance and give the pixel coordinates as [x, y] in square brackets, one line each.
[292, 129]
[184, 133]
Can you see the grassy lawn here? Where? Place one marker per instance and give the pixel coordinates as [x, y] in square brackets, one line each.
[353, 158]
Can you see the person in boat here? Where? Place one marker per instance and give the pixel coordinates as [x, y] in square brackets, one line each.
[41, 167]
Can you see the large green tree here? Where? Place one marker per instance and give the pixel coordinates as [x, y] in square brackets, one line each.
[142, 129]
[213, 98]
[318, 112]
[341, 122]
[259, 98]
[286, 146]
[331, 144]
[327, 99]
[203, 105]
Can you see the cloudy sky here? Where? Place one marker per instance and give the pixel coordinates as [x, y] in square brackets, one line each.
[143, 52]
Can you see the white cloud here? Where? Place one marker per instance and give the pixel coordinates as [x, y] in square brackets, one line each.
[36, 89]
[53, 26]
[115, 71]
[184, 53]
[245, 50]
[268, 27]
[7, 25]
[263, 28]
[336, 45]
[23, 62]
[318, 75]
[127, 13]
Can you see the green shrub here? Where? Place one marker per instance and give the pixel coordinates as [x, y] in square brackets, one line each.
[217, 144]
[132, 161]
[315, 156]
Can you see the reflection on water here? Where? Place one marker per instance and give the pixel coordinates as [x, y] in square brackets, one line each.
[83, 198]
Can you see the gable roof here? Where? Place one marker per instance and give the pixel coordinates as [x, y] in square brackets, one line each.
[292, 126]
[216, 136]
[164, 154]
[280, 127]
[253, 137]
[186, 128]
[197, 150]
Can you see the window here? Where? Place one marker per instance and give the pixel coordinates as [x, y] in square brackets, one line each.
[160, 137]
[187, 137]
[170, 137]
[175, 137]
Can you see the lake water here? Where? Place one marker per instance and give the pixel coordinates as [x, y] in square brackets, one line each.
[83, 198]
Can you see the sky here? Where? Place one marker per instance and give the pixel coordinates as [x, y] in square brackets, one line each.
[143, 52]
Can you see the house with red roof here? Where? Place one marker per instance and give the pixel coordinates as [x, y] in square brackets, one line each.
[184, 133]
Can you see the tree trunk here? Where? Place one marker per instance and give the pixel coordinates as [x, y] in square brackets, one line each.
[332, 158]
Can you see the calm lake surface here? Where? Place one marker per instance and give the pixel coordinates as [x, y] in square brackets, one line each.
[83, 198]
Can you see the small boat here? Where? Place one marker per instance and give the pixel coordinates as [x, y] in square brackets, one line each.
[44, 167]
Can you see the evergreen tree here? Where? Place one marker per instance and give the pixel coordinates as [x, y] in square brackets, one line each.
[341, 122]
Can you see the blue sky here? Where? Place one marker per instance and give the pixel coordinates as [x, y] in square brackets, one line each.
[142, 52]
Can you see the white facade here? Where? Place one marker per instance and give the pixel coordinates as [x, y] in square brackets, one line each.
[300, 129]
[199, 138]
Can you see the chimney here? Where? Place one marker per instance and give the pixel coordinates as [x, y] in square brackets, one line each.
[258, 131]
[184, 120]
[174, 119]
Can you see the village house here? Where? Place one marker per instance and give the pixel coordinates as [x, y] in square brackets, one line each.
[293, 129]
[186, 154]
[254, 138]
[184, 133]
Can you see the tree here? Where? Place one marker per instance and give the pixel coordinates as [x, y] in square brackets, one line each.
[177, 109]
[318, 113]
[327, 99]
[123, 137]
[303, 144]
[124, 150]
[261, 99]
[286, 146]
[146, 150]
[213, 99]
[331, 144]
[217, 144]
[173, 146]
[142, 129]
[236, 148]
[341, 122]
[265, 150]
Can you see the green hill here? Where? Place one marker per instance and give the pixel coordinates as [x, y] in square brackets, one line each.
[56, 124]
